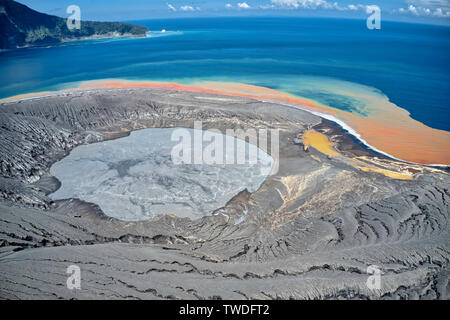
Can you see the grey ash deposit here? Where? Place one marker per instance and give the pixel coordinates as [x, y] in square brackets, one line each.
[309, 232]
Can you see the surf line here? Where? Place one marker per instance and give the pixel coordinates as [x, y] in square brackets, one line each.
[340, 123]
[350, 131]
[198, 310]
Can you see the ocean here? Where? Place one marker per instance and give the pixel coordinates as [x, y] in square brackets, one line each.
[338, 63]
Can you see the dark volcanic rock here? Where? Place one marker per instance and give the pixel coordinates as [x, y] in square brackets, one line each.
[310, 232]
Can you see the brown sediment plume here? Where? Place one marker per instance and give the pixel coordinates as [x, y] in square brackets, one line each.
[386, 127]
[387, 173]
[389, 128]
[321, 143]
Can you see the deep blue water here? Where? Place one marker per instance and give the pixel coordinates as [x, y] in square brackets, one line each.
[409, 63]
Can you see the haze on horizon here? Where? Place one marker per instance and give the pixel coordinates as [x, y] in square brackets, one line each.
[418, 11]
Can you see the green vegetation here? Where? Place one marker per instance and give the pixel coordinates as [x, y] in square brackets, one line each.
[21, 26]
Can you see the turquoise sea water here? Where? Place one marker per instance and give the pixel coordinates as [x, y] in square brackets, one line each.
[335, 62]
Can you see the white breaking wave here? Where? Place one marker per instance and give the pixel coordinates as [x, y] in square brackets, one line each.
[341, 123]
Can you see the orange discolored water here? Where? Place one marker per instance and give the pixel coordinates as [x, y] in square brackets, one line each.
[385, 127]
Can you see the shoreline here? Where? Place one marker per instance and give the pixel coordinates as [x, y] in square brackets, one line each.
[350, 131]
[345, 127]
[69, 40]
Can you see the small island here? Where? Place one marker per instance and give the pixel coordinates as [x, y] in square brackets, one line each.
[23, 27]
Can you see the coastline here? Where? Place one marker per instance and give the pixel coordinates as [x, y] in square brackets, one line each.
[69, 40]
[177, 87]
[350, 131]
[99, 37]
[315, 211]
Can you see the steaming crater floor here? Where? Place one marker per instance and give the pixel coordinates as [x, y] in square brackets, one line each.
[134, 178]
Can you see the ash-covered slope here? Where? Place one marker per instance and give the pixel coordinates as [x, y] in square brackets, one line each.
[310, 231]
[21, 26]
